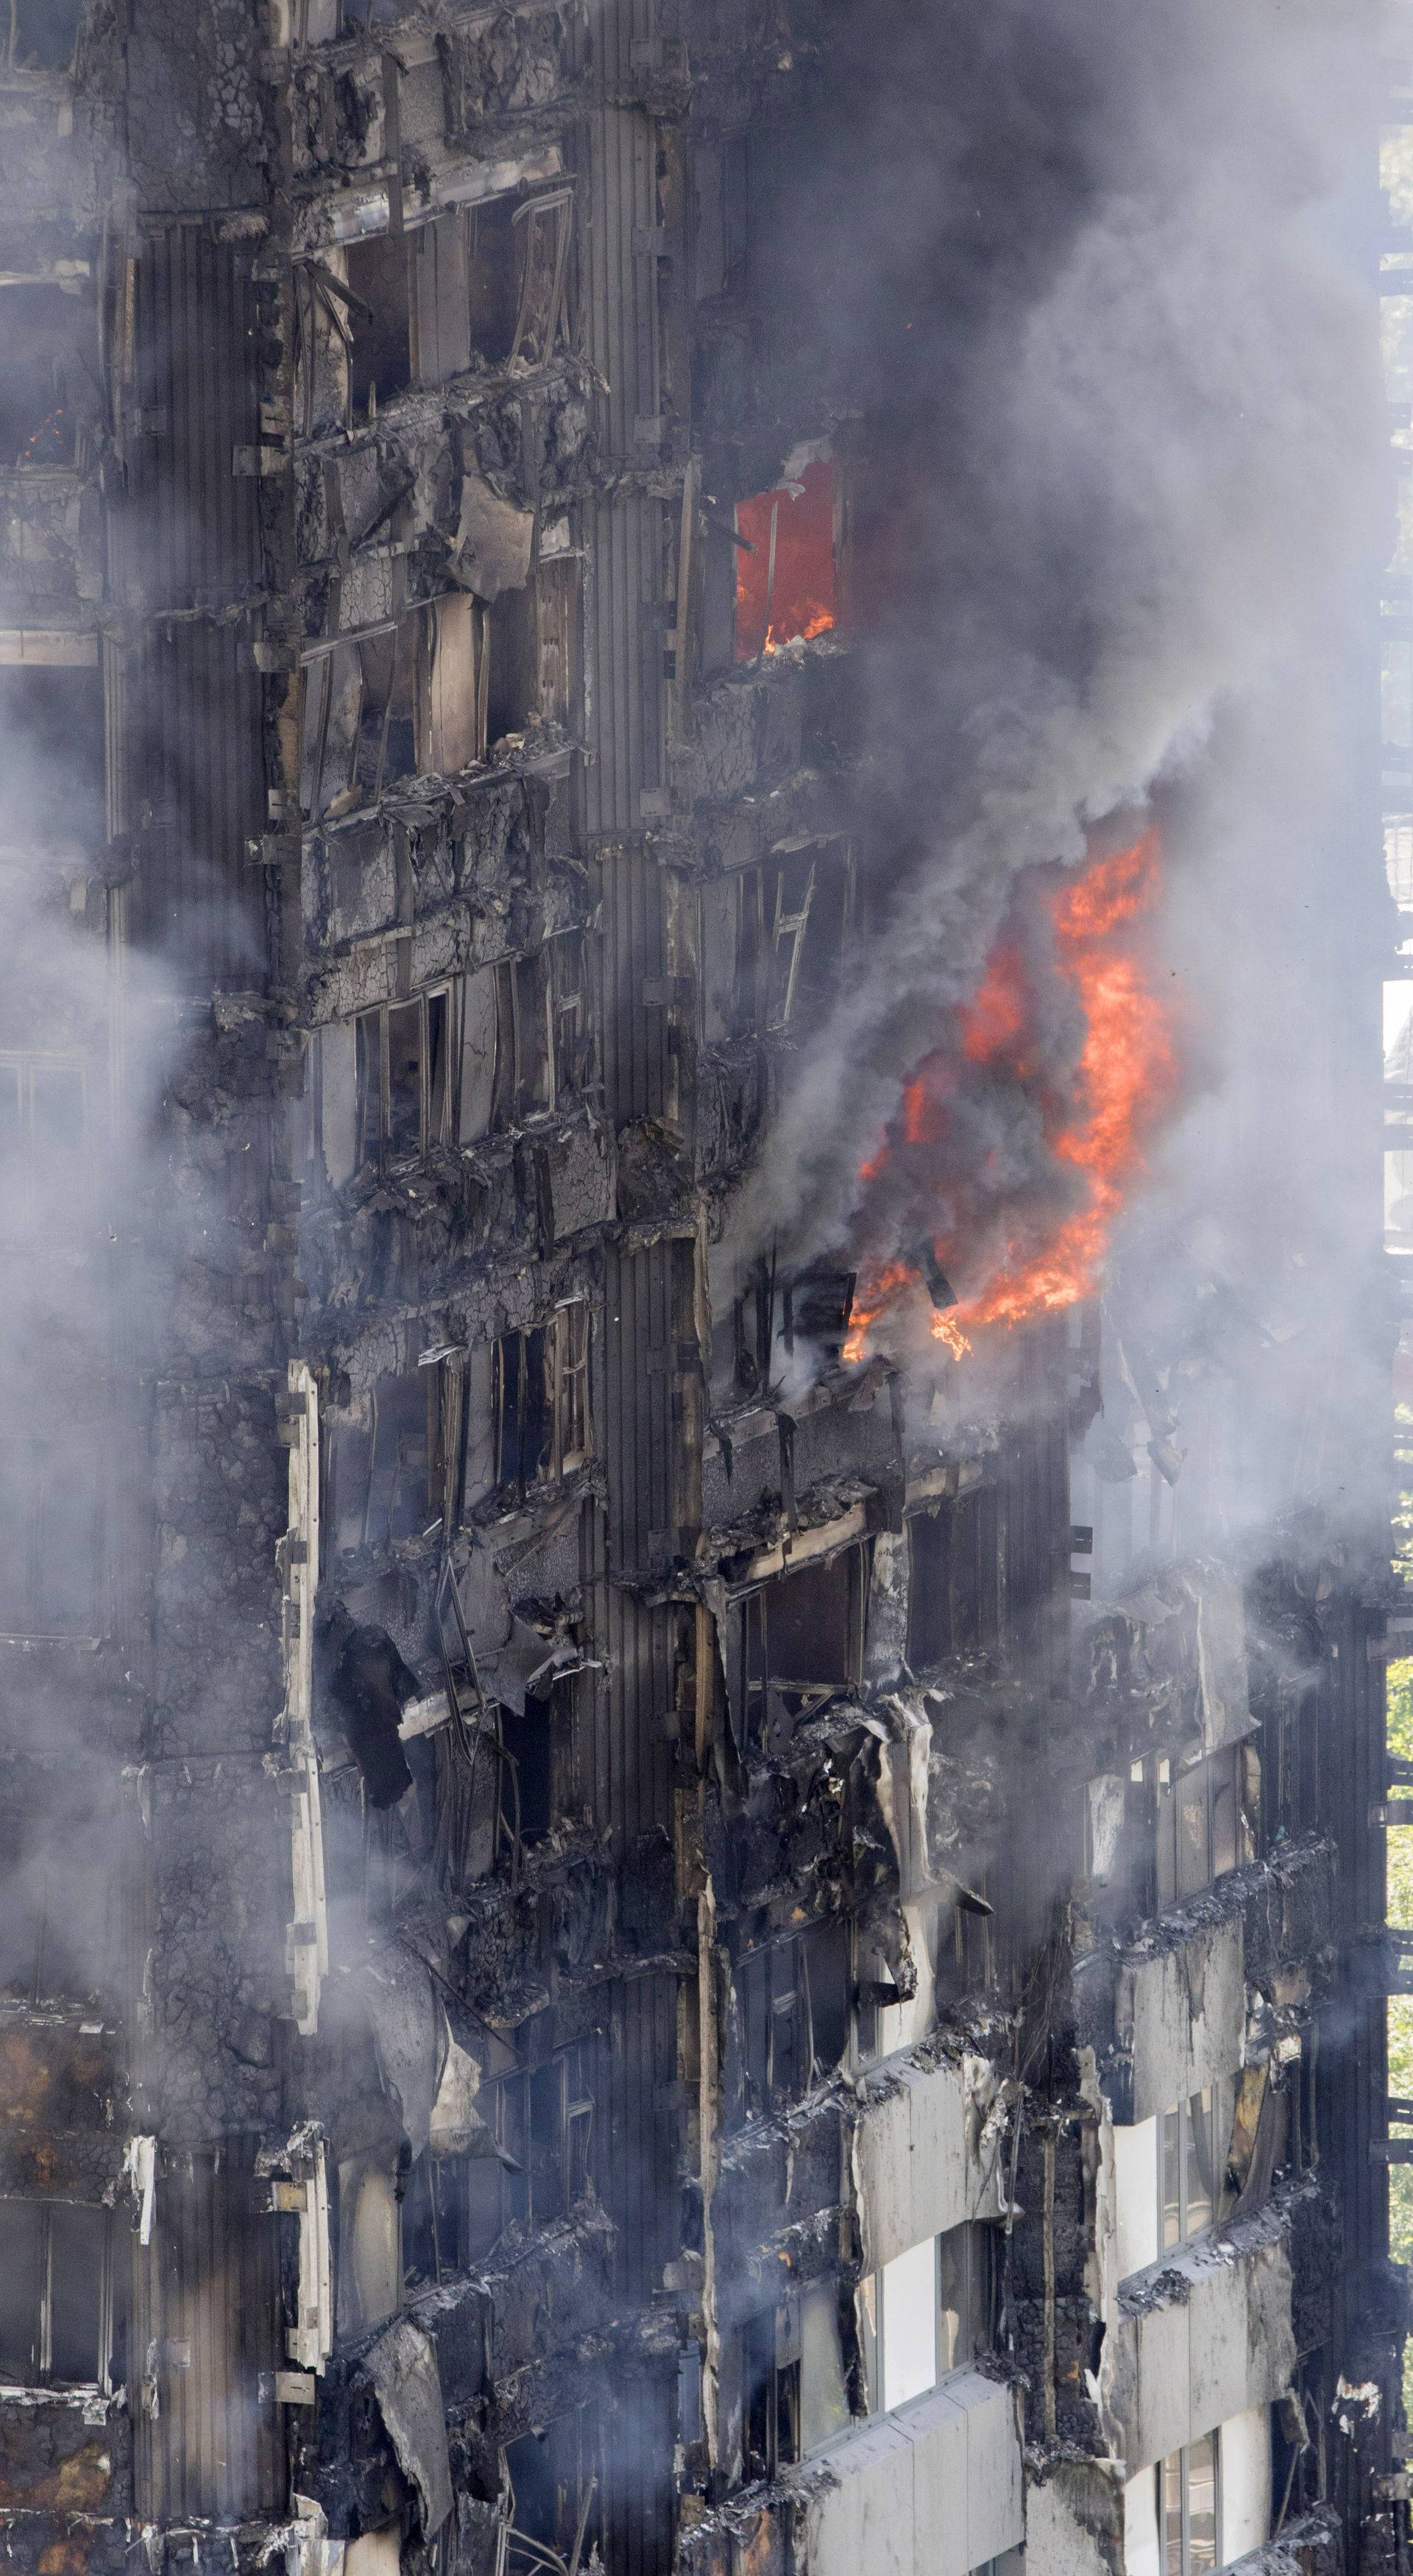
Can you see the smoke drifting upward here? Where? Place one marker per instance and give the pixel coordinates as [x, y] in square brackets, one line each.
[1080, 264]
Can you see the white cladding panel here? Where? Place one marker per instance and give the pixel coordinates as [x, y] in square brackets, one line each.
[933, 2490]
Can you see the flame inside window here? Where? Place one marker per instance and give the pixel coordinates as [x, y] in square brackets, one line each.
[785, 587]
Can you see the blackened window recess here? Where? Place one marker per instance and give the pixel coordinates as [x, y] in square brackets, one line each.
[403, 1052]
[793, 1999]
[541, 1034]
[817, 1307]
[43, 33]
[794, 2395]
[542, 2121]
[56, 2294]
[370, 1685]
[556, 2480]
[381, 359]
[51, 720]
[954, 1595]
[542, 1400]
[793, 913]
[50, 385]
[388, 1468]
[802, 1640]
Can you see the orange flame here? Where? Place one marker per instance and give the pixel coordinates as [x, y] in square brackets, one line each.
[1125, 1076]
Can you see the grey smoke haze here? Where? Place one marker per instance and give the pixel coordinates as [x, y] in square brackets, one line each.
[1129, 507]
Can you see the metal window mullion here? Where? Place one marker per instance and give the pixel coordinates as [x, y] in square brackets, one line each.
[384, 1084]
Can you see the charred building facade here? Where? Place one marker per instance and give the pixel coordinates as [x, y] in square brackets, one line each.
[620, 1944]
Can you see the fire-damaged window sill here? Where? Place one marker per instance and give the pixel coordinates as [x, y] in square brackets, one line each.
[1172, 2280]
[96, 2405]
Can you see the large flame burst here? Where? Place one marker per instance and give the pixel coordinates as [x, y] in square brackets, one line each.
[1095, 1126]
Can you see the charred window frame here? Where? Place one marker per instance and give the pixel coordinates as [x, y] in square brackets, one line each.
[794, 912]
[1192, 2158]
[404, 1051]
[544, 226]
[57, 2307]
[543, 1031]
[554, 2480]
[543, 1426]
[1189, 2484]
[955, 1587]
[802, 1642]
[794, 2394]
[793, 2001]
[543, 2167]
[395, 700]
[1198, 1819]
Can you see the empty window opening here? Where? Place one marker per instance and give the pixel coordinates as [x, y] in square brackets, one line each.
[539, 2165]
[931, 2310]
[542, 1400]
[802, 1643]
[56, 2294]
[954, 1590]
[785, 575]
[403, 1051]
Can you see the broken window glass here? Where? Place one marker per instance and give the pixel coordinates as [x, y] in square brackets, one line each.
[785, 570]
[55, 2294]
[793, 1998]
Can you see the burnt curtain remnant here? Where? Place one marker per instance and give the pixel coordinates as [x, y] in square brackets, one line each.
[646, 1921]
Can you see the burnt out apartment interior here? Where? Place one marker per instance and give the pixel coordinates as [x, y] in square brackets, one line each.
[631, 1936]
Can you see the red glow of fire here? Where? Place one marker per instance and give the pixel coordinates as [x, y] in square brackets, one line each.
[785, 586]
[1125, 1078]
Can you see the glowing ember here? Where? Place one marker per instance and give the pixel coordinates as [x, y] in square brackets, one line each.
[1122, 1082]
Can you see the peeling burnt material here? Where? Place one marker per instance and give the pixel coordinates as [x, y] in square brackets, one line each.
[579, 1832]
